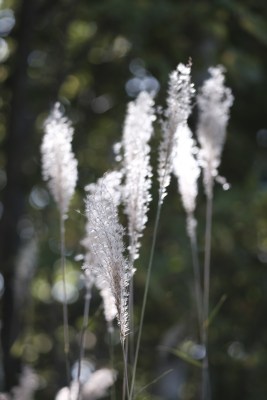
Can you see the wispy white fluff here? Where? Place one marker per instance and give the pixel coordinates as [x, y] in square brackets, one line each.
[187, 171]
[95, 388]
[214, 101]
[179, 99]
[137, 132]
[111, 185]
[105, 242]
[28, 384]
[107, 187]
[98, 384]
[4, 396]
[110, 310]
[58, 161]
[68, 393]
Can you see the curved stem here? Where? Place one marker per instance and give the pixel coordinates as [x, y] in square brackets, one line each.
[145, 297]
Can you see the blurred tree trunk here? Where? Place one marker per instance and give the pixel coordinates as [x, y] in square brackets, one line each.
[18, 137]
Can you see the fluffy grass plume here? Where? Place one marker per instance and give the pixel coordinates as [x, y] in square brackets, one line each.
[135, 149]
[59, 165]
[214, 101]
[104, 238]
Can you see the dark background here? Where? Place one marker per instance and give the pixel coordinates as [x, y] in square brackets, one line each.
[86, 54]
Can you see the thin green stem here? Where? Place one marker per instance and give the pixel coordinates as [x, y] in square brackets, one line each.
[126, 350]
[197, 282]
[65, 306]
[205, 378]
[130, 341]
[151, 258]
[125, 375]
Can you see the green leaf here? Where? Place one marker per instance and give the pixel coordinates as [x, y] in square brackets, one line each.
[183, 355]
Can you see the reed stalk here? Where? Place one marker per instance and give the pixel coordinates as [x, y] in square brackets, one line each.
[82, 338]
[206, 293]
[151, 258]
[65, 306]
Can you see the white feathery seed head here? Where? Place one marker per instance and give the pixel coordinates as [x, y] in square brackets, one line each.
[110, 310]
[186, 169]
[179, 99]
[111, 185]
[135, 149]
[214, 101]
[92, 277]
[180, 94]
[58, 162]
[107, 187]
[105, 242]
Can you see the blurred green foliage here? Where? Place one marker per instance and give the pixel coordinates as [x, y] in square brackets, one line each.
[84, 54]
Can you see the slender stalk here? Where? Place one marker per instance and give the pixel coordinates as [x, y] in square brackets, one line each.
[197, 282]
[130, 338]
[82, 339]
[111, 355]
[126, 349]
[65, 306]
[205, 377]
[207, 260]
[125, 376]
[151, 258]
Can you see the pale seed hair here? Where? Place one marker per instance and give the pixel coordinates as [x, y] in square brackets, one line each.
[98, 384]
[214, 101]
[136, 168]
[187, 170]
[28, 384]
[179, 99]
[107, 187]
[59, 165]
[104, 237]
[94, 388]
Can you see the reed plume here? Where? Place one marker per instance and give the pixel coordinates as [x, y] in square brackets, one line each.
[214, 101]
[59, 167]
[136, 169]
[179, 99]
[105, 242]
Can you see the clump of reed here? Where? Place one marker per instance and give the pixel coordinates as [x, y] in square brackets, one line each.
[109, 263]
